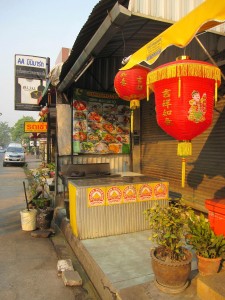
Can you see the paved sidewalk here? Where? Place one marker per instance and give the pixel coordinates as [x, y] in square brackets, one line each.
[29, 265]
[32, 161]
[120, 265]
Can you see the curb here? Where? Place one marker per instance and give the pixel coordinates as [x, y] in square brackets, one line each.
[101, 283]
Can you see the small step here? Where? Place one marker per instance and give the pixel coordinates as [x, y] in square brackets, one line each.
[211, 287]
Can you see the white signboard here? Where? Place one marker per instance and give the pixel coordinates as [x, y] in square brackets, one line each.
[30, 80]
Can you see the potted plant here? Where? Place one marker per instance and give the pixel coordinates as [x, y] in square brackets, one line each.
[51, 167]
[37, 190]
[208, 246]
[171, 261]
[40, 198]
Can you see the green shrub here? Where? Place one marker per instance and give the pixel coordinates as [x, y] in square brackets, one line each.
[168, 227]
[202, 238]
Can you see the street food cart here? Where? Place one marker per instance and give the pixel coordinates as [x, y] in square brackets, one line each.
[114, 205]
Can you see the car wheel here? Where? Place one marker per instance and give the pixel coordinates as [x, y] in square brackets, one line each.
[4, 164]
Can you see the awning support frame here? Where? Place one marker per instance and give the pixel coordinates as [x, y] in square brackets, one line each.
[209, 56]
[116, 18]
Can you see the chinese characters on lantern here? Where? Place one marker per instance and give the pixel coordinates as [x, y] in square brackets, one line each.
[140, 83]
[131, 84]
[166, 103]
[123, 76]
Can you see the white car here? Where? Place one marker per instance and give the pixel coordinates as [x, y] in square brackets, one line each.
[14, 154]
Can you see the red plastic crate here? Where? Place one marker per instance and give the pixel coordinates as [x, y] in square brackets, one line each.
[216, 215]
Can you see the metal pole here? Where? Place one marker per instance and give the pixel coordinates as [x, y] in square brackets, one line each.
[49, 141]
[48, 116]
[209, 56]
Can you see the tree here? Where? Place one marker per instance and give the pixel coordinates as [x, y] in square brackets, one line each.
[17, 131]
[5, 136]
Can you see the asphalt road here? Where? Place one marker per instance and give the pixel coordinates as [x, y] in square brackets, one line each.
[29, 265]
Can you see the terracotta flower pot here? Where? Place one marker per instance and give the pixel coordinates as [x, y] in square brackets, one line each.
[171, 277]
[208, 266]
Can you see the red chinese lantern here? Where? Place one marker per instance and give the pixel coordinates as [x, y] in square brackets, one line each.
[44, 111]
[130, 85]
[184, 94]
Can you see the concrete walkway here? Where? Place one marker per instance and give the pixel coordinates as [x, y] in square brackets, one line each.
[120, 266]
[29, 265]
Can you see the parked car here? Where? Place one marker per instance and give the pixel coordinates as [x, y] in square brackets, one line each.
[14, 154]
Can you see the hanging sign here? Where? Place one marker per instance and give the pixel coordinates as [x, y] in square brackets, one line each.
[30, 80]
[37, 127]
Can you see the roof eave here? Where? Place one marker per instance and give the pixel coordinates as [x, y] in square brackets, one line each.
[116, 18]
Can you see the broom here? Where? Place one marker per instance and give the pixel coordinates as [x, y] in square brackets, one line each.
[25, 195]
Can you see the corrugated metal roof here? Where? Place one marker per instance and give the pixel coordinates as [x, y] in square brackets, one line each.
[136, 32]
[129, 38]
[97, 16]
[172, 10]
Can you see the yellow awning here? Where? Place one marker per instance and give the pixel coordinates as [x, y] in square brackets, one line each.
[207, 15]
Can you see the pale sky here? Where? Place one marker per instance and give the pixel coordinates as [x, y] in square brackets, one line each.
[37, 28]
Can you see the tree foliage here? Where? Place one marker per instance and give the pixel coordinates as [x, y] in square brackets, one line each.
[17, 131]
[5, 136]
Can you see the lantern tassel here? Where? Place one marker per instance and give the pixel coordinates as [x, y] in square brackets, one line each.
[147, 92]
[216, 92]
[134, 104]
[183, 172]
[184, 149]
[132, 121]
[149, 89]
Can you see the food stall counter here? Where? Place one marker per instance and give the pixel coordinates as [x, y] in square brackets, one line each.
[110, 206]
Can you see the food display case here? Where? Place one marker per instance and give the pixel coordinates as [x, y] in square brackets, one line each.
[101, 123]
[110, 206]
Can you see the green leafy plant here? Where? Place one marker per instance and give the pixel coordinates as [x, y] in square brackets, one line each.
[41, 202]
[202, 238]
[38, 191]
[168, 227]
[51, 166]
